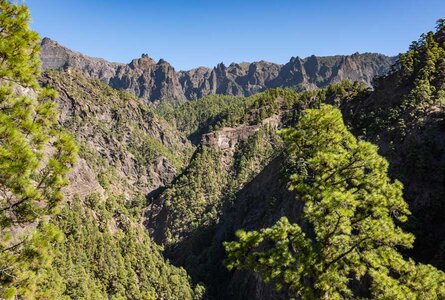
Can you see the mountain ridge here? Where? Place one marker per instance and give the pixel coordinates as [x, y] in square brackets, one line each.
[150, 81]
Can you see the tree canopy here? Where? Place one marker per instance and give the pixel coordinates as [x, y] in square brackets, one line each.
[35, 155]
[347, 243]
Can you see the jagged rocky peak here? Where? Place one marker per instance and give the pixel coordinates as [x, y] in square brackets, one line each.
[221, 67]
[312, 65]
[47, 40]
[54, 56]
[58, 57]
[238, 69]
[195, 83]
[144, 61]
[150, 80]
[292, 73]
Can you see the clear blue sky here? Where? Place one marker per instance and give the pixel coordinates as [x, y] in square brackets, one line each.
[191, 33]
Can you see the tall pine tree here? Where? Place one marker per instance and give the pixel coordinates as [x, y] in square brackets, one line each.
[346, 246]
[35, 156]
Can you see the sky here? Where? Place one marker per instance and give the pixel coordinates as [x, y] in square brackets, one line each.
[192, 33]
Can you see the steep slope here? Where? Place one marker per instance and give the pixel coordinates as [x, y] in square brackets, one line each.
[235, 176]
[405, 116]
[57, 57]
[225, 161]
[150, 81]
[143, 77]
[116, 131]
[313, 72]
[259, 204]
[410, 136]
[126, 152]
[237, 140]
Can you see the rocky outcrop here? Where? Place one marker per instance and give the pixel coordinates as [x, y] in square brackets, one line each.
[124, 148]
[243, 79]
[149, 80]
[227, 138]
[55, 56]
[318, 72]
[143, 77]
[246, 79]
[226, 158]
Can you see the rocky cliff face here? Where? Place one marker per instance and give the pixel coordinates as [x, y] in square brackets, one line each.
[318, 72]
[143, 77]
[55, 56]
[246, 79]
[124, 147]
[149, 80]
[243, 79]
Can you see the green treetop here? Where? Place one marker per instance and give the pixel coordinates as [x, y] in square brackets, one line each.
[34, 154]
[346, 246]
[19, 46]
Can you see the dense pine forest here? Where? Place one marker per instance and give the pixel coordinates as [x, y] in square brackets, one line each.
[290, 192]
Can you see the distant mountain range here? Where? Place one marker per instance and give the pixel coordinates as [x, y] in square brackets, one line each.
[150, 80]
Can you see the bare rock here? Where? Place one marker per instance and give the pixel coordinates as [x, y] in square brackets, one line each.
[151, 81]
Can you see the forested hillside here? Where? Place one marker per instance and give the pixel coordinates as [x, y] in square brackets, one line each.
[326, 190]
[404, 115]
[126, 152]
[87, 242]
[394, 116]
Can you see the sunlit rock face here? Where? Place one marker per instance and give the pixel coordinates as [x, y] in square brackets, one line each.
[150, 80]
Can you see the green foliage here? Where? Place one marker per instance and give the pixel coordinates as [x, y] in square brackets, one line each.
[35, 156]
[346, 245]
[19, 46]
[108, 255]
[195, 198]
[416, 86]
[253, 154]
[119, 123]
[203, 115]
[27, 263]
[213, 112]
[405, 116]
[339, 93]
[349, 230]
[29, 131]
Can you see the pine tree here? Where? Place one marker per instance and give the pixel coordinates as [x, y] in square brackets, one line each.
[349, 236]
[35, 156]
